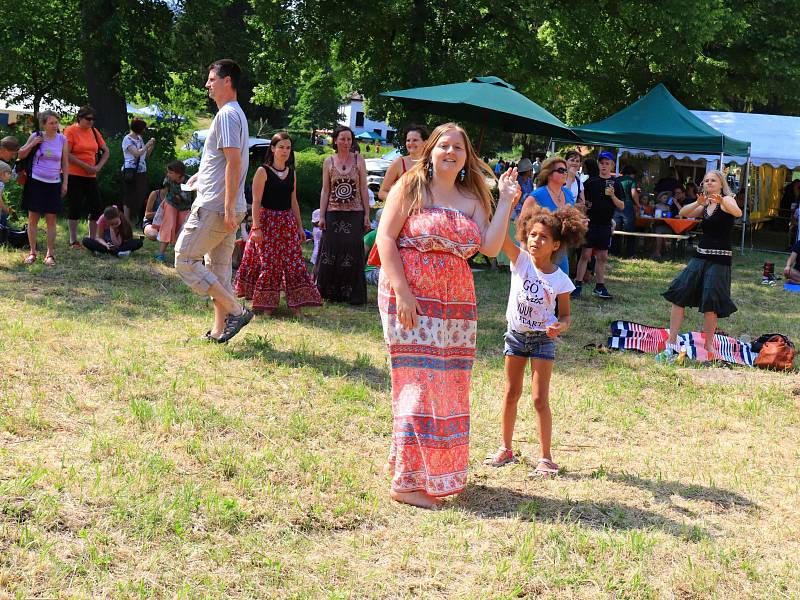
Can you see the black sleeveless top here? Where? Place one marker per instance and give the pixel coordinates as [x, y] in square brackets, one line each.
[277, 193]
[715, 243]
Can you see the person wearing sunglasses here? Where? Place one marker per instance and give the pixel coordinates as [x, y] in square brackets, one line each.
[83, 197]
[552, 194]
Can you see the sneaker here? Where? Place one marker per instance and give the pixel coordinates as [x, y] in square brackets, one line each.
[234, 324]
[124, 254]
[159, 258]
[501, 458]
[576, 293]
[601, 292]
[768, 280]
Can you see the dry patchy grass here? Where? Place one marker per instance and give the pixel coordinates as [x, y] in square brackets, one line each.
[139, 462]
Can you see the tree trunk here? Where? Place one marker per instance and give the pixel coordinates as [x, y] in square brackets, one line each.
[102, 62]
[37, 102]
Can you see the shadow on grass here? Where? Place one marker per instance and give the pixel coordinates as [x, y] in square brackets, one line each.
[260, 347]
[664, 490]
[500, 502]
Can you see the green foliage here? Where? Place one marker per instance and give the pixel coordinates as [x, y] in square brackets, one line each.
[41, 59]
[308, 165]
[318, 101]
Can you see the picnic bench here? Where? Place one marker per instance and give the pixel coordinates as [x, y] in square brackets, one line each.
[678, 241]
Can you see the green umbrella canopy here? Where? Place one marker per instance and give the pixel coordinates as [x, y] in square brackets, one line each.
[369, 135]
[488, 101]
[657, 121]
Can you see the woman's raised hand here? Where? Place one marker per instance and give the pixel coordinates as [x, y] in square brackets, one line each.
[509, 187]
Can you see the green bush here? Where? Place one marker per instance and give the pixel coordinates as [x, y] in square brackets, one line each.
[309, 177]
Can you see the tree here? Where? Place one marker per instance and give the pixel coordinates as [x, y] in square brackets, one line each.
[317, 102]
[124, 44]
[42, 57]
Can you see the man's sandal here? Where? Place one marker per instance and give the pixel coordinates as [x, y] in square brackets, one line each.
[31, 258]
[50, 260]
[234, 324]
[545, 468]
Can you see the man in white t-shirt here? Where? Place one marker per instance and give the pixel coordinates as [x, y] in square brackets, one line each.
[210, 230]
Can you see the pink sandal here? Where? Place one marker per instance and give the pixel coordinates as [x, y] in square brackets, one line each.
[31, 258]
[50, 260]
[545, 468]
[501, 458]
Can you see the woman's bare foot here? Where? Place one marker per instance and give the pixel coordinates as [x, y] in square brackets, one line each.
[712, 354]
[388, 468]
[297, 313]
[420, 499]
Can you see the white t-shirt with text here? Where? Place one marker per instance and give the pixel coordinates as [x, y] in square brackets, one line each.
[533, 295]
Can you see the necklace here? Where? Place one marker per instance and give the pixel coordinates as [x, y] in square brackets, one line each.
[344, 167]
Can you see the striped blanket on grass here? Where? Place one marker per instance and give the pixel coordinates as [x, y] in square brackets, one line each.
[626, 335]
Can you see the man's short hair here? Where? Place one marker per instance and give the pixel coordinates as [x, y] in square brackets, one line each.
[10, 143]
[225, 67]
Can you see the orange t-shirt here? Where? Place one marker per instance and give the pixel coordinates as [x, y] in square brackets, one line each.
[83, 146]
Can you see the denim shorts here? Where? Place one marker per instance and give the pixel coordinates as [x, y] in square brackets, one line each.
[533, 344]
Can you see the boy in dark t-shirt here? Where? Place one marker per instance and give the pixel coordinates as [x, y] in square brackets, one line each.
[603, 196]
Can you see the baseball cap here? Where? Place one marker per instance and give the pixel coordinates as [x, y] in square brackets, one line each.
[315, 216]
[525, 165]
[605, 154]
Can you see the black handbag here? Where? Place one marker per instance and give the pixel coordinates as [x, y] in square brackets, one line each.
[99, 154]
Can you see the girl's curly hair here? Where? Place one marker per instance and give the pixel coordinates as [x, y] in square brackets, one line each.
[568, 225]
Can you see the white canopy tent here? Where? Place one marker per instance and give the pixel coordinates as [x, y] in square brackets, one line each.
[774, 141]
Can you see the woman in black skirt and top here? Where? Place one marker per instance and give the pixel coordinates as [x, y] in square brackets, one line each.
[272, 260]
[344, 219]
[706, 280]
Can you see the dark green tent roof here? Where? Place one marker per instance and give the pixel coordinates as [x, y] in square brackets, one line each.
[657, 121]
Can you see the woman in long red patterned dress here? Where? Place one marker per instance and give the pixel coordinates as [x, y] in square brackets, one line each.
[437, 215]
[272, 258]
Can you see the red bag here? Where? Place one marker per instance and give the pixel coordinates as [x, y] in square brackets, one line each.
[777, 354]
[374, 259]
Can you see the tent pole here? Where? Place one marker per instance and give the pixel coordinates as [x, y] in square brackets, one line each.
[746, 190]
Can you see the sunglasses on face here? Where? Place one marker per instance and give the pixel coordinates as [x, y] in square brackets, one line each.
[562, 170]
[88, 118]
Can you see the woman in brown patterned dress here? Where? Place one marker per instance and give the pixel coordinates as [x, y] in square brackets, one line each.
[344, 219]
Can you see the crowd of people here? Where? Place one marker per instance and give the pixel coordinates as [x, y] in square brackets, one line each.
[438, 213]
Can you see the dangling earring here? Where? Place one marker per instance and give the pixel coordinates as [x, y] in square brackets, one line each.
[461, 175]
[430, 171]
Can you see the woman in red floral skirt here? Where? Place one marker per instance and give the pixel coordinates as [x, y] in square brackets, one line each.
[272, 258]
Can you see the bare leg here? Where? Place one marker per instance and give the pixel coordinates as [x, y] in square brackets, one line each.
[583, 262]
[794, 276]
[50, 219]
[676, 315]
[33, 230]
[162, 247]
[515, 374]
[92, 228]
[600, 268]
[540, 383]
[709, 329]
[73, 231]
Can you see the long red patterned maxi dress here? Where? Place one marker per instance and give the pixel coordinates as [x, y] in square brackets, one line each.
[432, 364]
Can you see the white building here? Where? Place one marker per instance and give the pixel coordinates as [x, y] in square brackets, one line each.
[352, 115]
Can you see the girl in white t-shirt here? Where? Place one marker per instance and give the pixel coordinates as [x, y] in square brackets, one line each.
[538, 311]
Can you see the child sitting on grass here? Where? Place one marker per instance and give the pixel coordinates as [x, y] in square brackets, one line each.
[177, 204]
[114, 235]
[540, 290]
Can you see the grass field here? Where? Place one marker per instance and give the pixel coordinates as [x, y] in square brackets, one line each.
[138, 462]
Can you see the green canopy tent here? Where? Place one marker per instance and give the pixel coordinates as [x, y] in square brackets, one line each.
[488, 101]
[657, 121]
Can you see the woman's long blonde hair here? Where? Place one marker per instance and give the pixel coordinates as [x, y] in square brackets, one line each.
[415, 186]
[726, 189]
